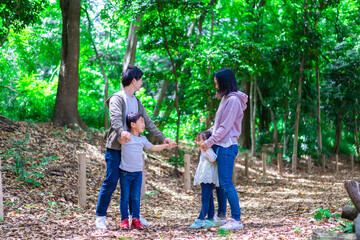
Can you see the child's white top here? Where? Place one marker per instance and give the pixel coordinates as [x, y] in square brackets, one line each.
[206, 171]
[132, 153]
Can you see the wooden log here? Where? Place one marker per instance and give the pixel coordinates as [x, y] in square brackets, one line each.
[323, 163]
[187, 172]
[352, 162]
[263, 156]
[82, 180]
[336, 163]
[246, 165]
[327, 235]
[279, 162]
[1, 196]
[352, 187]
[357, 226]
[143, 185]
[309, 163]
[349, 212]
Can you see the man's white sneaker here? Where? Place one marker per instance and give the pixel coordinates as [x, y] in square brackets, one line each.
[100, 223]
[219, 221]
[143, 221]
[232, 224]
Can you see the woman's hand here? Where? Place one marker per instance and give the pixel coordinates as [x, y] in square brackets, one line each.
[202, 145]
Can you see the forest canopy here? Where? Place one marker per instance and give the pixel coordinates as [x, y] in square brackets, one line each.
[298, 61]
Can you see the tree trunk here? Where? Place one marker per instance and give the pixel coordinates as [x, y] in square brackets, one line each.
[98, 57]
[176, 80]
[318, 110]
[338, 133]
[66, 105]
[129, 58]
[285, 123]
[161, 97]
[356, 133]
[245, 139]
[210, 115]
[294, 156]
[253, 114]
[275, 135]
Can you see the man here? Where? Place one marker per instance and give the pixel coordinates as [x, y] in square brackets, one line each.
[120, 104]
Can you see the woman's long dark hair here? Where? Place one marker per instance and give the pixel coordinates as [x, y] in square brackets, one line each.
[226, 81]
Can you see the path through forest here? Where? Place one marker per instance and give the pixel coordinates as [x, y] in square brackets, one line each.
[272, 208]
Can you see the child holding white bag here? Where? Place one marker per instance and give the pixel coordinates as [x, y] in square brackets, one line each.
[207, 176]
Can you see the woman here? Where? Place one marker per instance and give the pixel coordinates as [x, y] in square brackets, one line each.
[225, 133]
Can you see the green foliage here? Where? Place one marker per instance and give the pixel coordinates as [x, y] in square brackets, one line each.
[322, 213]
[17, 15]
[26, 167]
[266, 41]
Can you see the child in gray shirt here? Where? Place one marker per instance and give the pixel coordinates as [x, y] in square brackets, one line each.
[131, 167]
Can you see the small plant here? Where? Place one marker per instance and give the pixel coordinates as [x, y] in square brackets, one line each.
[322, 213]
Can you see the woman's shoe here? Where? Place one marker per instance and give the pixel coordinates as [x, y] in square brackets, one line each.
[198, 224]
[219, 221]
[232, 224]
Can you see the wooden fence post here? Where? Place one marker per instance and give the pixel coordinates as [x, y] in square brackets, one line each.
[1, 196]
[279, 162]
[309, 162]
[143, 185]
[82, 180]
[323, 163]
[263, 155]
[246, 165]
[187, 177]
[337, 163]
[352, 162]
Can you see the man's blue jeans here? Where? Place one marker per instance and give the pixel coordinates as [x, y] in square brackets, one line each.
[112, 158]
[225, 162]
[130, 183]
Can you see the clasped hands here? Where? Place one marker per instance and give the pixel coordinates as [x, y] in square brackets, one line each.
[125, 136]
[201, 145]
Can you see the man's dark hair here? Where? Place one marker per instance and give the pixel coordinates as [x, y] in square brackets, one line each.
[204, 134]
[129, 74]
[132, 117]
[226, 81]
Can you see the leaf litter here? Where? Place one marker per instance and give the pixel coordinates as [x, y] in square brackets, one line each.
[275, 207]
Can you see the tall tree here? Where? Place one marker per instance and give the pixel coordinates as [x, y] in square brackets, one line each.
[129, 58]
[66, 105]
[297, 117]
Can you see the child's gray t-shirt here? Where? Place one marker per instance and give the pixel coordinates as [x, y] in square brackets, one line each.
[132, 153]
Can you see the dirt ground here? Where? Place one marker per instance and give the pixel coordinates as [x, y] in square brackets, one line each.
[275, 207]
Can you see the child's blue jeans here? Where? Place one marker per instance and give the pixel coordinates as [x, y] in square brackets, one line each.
[112, 158]
[225, 162]
[130, 183]
[207, 201]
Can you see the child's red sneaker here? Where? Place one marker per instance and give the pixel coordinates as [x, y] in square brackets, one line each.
[124, 224]
[135, 223]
